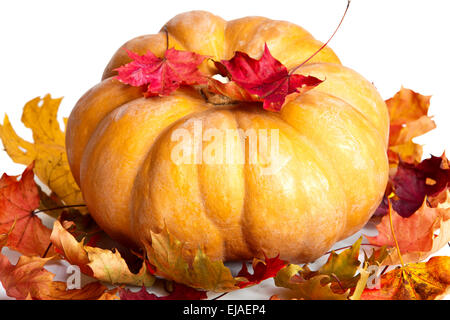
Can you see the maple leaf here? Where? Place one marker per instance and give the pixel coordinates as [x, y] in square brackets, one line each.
[408, 119]
[29, 280]
[412, 183]
[180, 292]
[19, 198]
[418, 281]
[343, 265]
[262, 270]
[341, 277]
[309, 289]
[341, 269]
[165, 254]
[102, 264]
[377, 257]
[48, 150]
[416, 234]
[267, 78]
[164, 75]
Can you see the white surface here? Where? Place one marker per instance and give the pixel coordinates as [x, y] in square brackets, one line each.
[62, 47]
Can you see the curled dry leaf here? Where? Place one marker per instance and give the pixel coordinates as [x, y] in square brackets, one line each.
[48, 150]
[29, 280]
[266, 80]
[164, 75]
[165, 254]
[412, 183]
[309, 289]
[416, 235]
[408, 119]
[180, 292]
[409, 185]
[418, 281]
[19, 198]
[340, 278]
[343, 265]
[102, 264]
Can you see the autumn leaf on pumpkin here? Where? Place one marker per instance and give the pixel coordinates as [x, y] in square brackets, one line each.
[418, 281]
[267, 79]
[262, 270]
[48, 150]
[408, 119]
[416, 235]
[102, 264]
[29, 280]
[180, 292]
[165, 254]
[19, 198]
[164, 75]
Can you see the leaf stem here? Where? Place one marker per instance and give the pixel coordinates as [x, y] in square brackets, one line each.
[346, 247]
[220, 296]
[59, 208]
[47, 250]
[393, 235]
[326, 43]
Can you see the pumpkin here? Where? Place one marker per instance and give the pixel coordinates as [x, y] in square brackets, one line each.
[331, 143]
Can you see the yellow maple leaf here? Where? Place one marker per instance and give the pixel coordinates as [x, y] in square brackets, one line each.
[309, 289]
[48, 150]
[166, 254]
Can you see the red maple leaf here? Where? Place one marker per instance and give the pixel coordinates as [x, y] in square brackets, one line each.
[412, 183]
[262, 270]
[18, 200]
[267, 78]
[180, 292]
[162, 75]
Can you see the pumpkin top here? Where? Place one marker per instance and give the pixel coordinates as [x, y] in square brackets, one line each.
[209, 35]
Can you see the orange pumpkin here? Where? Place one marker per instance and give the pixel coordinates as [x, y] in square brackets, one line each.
[332, 146]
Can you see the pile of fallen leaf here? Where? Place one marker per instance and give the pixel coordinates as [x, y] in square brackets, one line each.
[412, 221]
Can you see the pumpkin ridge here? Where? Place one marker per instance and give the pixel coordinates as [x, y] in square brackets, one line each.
[243, 219]
[329, 157]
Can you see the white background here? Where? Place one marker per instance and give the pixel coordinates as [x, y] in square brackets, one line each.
[62, 47]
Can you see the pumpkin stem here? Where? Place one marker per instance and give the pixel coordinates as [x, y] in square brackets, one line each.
[216, 98]
[167, 36]
[326, 43]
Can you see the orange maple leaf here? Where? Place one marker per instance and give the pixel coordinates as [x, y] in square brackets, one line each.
[19, 198]
[408, 119]
[29, 280]
[415, 234]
